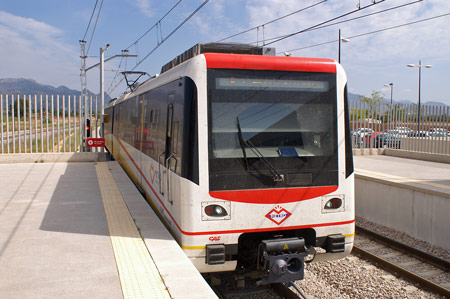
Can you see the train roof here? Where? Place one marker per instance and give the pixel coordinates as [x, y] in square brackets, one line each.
[229, 48]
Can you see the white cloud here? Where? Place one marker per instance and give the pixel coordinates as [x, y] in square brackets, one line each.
[217, 19]
[374, 59]
[397, 42]
[33, 49]
[145, 7]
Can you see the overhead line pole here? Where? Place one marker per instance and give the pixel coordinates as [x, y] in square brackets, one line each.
[164, 39]
[102, 92]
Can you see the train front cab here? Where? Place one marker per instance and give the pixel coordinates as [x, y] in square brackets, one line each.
[279, 149]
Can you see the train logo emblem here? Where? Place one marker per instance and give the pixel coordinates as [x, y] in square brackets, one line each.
[278, 215]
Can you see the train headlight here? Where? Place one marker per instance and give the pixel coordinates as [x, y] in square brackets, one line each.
[332, 204]
[216, 210]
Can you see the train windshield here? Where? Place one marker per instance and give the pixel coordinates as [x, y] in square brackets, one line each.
[271, 129]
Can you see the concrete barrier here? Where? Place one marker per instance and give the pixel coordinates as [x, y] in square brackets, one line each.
[420, 212]
[439, 158]
[435, 145]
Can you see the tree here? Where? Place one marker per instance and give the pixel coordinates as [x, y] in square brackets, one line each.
[374, 101]
[20, 103]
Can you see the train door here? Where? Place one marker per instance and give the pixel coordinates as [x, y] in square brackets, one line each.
[140, 135]
[167, 159]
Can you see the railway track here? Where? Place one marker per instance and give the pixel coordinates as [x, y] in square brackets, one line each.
[273, 291]
[431, 272]
[224, 287]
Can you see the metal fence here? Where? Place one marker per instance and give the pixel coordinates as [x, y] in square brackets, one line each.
[52, 124]
[46, 123]
[400, 126]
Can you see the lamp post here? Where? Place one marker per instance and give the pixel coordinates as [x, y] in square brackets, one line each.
[419, 66]
[102, 93]
[344, 40]
[391, 85]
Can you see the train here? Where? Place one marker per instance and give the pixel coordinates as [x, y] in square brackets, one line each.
[244, 155]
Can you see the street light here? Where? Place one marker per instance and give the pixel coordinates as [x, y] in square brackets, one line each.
[101, 63]
[391, 85]
[419, 66]
[344, 40]
[102, 92]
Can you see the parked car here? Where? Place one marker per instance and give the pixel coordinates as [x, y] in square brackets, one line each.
[438, 132]
[387, 138]
[403, 131]
[391, 139]
[420, 134]
[360, 135]
[375, 140]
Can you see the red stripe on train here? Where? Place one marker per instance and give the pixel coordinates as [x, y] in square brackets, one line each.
[271, 63]
[273, 196]
[226, 231]
[270, 229]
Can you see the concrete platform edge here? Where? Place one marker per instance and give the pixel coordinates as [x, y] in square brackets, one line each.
[52, 157]
[179, 274]
[410, 186]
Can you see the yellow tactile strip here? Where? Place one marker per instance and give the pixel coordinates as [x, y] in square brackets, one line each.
[138, 274]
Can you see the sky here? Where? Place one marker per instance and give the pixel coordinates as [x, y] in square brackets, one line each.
[40, 39]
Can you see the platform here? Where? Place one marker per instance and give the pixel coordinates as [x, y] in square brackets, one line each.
[73, 230]
[411, 196]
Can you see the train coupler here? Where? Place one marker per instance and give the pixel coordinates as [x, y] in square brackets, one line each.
[282, 259]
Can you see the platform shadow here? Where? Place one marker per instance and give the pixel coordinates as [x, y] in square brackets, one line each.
[76, 204]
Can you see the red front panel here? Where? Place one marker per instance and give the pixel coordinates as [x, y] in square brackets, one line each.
[273, 196]
[272, 63]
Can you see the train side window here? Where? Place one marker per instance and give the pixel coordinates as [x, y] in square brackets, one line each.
[348, 143]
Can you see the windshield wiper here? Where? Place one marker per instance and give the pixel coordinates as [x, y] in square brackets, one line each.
[277, 177]
[242, 143]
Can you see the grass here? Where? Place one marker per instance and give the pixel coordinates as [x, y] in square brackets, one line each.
[44, 145]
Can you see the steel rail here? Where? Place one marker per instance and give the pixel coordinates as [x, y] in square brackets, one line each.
[280, 289]
[429, 258]
[402, 272]
[284, 291]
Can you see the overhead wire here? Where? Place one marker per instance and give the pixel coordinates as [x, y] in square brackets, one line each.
[90, 20]
[111, 89]
[325, 22]
[351, 19]
[272, 21]
[155, 25]
[95, 26]
[171, 33]
[373, 32]
[135, 43]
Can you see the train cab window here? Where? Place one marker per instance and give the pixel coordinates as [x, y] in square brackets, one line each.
[267, 122]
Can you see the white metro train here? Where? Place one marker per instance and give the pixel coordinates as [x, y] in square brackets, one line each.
[245, 156]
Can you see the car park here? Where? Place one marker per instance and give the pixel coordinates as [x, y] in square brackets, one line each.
[360, 136]
[387, 138]
[439, 132]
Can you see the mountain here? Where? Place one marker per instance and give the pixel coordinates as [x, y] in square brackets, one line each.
[354, 98]
[20, 86]
[435, 104]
